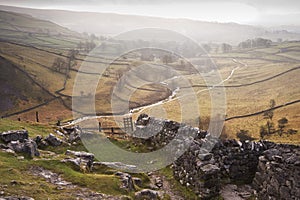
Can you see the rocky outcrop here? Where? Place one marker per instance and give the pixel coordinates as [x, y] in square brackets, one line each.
[14, 135]
[80, 160]
[52, 140]
[127, 181]
[81, 154]
[41, 143]
[28, 147]
[114, 165]
[72, 134]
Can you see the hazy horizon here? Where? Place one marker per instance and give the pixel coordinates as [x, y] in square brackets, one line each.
[267, 13]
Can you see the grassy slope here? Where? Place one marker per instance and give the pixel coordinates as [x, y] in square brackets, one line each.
[17, 89]
[11, 168]
[37, 62]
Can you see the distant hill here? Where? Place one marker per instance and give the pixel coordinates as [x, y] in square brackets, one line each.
[111, 24]
[23, 28]
[27, 23]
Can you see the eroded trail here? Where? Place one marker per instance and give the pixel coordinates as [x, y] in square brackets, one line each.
[72, 189]
[165, 187]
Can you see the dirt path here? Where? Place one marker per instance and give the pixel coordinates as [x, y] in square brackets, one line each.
[233, 192]
[72, 189]
[160, 182]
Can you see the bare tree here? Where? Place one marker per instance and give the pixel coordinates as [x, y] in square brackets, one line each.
[59, 65]
[269, 116]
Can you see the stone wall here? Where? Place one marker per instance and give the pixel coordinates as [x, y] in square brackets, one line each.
[156, 133]
[229, 161]
[278, 173]
[272, 169]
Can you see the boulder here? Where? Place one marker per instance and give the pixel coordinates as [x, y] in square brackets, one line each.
[127, 181]
[72, 133]
[28, 146]
[78, 164]
[210, 169]
[137, 181]
[147, 194]
[116, 165]
[74, 136]
[14, 135]
[80, 154]
[53, 141]
[82, 160]
[41, 143]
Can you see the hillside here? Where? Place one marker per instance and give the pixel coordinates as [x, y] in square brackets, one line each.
[30, 80]
[17, 89]
[23, 28]
[112, 24]
[43, 88]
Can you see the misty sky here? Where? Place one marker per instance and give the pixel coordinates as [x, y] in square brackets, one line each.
[271, 12]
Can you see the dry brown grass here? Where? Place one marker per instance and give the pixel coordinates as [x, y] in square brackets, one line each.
[240, 101]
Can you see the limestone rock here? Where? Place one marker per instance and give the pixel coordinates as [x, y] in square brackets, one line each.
[146, 194]
[210, 169]
[14, 135]
[80, 154]
[116, 165]
[127, 181]
[41, 143]
[53, 141]
[82, 160]
[28, 146]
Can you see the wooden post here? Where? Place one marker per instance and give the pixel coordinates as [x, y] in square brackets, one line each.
[100, 129]
[37, 116]
[112, 130]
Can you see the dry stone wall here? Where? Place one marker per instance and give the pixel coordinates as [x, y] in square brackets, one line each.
[273, 170]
